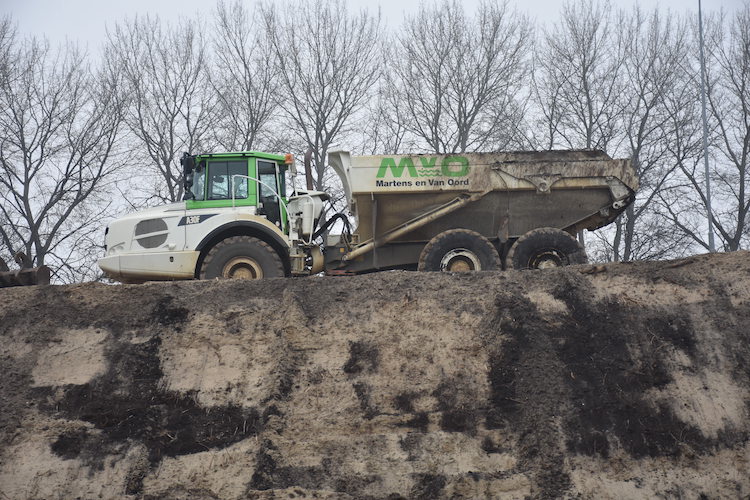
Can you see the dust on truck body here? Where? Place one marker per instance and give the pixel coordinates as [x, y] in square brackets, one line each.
[457, 212]
[403, 203]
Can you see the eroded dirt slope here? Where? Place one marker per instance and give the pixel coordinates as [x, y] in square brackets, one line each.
[622, 381]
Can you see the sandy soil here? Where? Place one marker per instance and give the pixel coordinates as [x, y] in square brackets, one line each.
[615, 381]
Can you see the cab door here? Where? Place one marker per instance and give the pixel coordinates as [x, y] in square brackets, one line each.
[268, 187]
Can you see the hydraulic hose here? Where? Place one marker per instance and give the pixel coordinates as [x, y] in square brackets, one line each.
[330, 222]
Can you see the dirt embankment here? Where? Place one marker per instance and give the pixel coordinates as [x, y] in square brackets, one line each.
[619, 381]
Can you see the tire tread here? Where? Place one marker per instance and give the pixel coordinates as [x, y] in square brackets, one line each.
[579, 256]
[440, 239]
[235, 240]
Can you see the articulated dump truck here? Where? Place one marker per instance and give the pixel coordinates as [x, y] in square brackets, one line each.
[459, 212]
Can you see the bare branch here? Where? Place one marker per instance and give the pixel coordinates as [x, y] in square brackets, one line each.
[59, 125]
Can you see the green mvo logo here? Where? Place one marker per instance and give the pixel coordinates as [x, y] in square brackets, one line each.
[450, 166]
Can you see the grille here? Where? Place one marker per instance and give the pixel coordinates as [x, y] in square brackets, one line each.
[148, 227]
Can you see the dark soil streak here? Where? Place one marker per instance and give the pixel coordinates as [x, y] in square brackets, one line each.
[527, 395]
[608, 378]
[428, 486]
[126, 404]
[456, 402]
[363, 358]
[363, 392]
[70, 444]
[583, 379]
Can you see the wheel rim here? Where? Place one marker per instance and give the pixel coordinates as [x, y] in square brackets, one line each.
[460, 260]
[548, 259]
[243, 268]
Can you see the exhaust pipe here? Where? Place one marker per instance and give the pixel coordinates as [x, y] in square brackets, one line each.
[308, 169]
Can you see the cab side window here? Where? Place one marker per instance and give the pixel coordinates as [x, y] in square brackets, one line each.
[219, 178]
[267, 175]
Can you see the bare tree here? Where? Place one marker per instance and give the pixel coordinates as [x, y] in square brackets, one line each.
[243, 80]
[458, 78]
[7, 39]
[546, 93]
[58, 128]
[384, 127]
[170, 103]
[728, 95]
[578, 76]
[7, 63]
[655, 49]
[729, 102]
[327, 61]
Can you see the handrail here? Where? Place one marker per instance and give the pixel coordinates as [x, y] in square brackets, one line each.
[413, 224]
[281, 200]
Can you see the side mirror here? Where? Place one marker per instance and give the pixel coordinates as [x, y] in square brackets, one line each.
[187, 162]
[188, 167]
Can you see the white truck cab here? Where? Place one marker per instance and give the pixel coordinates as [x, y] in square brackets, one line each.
[234, 222]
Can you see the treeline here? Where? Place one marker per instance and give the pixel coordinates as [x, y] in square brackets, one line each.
[83, 137]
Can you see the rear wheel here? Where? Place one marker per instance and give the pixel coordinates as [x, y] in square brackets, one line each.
[544, 248]
[458, 250]
[242, 257]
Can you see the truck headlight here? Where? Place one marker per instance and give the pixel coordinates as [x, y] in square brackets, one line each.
[114, 249]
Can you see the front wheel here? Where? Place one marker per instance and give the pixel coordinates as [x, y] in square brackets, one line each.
[242, 257]
[544, 248]
[459, 250]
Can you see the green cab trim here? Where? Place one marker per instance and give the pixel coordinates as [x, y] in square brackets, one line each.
[243, 154]
[238, 202]
[252, 188]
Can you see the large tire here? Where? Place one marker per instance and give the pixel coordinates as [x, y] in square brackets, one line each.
[543, 248]
[242, 257]
[459, 250]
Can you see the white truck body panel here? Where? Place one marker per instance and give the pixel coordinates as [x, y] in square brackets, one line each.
[168, 249]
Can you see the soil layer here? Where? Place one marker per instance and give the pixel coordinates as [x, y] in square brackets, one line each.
[611, 381]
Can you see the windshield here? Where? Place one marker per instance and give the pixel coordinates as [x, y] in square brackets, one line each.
[220, 179]
[199, 183]
[212, 180]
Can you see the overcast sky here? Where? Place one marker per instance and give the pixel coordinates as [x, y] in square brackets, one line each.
[84, 21]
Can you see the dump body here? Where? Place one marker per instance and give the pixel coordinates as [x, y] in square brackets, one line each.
[509, 194]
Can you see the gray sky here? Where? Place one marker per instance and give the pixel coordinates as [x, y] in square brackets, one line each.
[84, 21]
